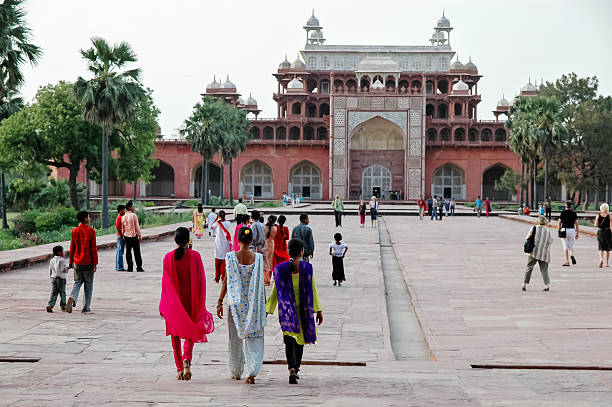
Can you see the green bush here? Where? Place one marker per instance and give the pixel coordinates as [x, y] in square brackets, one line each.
[47, 222]
[269, 204]
[191, 202]
[469, 204]
[30, 216]
[216, 201]
[67, 215]
[149, 204]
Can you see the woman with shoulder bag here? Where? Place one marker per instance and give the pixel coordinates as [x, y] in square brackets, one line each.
[540, 251]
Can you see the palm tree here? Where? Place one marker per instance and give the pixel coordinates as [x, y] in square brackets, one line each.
[15, 50]
[110, 97]
[204, 130]
[234, 142]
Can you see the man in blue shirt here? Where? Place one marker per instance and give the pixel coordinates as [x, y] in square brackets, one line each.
[478, 206]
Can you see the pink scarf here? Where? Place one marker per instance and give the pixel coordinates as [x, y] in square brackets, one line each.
[193, 323]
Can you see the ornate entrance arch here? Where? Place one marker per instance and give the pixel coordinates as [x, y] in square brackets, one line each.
[376, 157]
[348, 156]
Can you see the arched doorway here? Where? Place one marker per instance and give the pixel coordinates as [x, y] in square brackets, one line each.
[306, 180]
[162, 183]
[380, 142]
[488, 184]
[376, 181]
[214, 181]
[256, 180]
[449, 182]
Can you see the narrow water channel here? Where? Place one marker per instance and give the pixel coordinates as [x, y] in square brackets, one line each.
[407, 339]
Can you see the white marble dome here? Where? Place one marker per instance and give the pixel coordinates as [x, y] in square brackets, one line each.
[312, 21]
[316, 35]
[461, 86]
[295, 84]
[285, 64]
[443, 21]
[214, 84]
[503, 102]
[457, 65]
[228, 84]
[470, 66]
[251, 101]
[298, 64]
[529, 87]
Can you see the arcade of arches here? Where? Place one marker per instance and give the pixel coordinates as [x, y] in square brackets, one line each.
[376, 157]
[306, 180]
[162, 182]
[214, 181]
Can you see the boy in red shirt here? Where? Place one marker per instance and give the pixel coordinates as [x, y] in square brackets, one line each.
[84, 259]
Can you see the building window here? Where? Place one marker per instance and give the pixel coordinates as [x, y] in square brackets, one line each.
[443, 64]
[417, 65]
[256, 180]
[312, 62]
[428, 64]
[339, 63]
[325, 87]
[448, 182]
[405, 64]
[325, 63]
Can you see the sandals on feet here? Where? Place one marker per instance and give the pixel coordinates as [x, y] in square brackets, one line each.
[565, 264]
[186, 370]
[179, 376]
[292, 377]
[250, 380]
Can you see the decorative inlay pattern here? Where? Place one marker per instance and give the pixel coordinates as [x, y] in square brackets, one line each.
[339, 162]
[414, 192]
[351, 103]
[339, 101]
[414, 162]
[339, 132]
[415, 176]
[339, 176]
[378, 103]
[416, 103]
[415, 132]
[415, 118]
[339, 117]
[403, 103]
[339, 147]
[364, 103]
[391, 103]
[356, 118]
[415, 147]
[340, 191]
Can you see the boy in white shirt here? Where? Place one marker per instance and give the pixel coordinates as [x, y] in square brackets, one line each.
[58, 270]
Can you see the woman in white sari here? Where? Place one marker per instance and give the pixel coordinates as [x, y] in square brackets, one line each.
[247, 308]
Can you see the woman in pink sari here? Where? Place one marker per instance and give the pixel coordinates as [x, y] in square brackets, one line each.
[183, 301]
[487, 206]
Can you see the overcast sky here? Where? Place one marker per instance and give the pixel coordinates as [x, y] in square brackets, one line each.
[181, 44]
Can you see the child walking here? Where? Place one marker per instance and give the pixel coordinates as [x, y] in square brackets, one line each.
[58, 270]
[337, 251]
[295, 293]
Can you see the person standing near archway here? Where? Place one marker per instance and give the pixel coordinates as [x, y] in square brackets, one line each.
[338, 206]
[487, 204]
[373, 210]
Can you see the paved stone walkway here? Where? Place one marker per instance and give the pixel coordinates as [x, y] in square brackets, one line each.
[468, 298]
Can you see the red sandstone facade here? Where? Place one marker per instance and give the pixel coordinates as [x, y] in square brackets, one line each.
[356, 121]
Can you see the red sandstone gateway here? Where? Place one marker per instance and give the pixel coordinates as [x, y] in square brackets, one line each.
[356, 121]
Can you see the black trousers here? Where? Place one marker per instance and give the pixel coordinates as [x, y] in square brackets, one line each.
[294, 353]
[132, 243]
[549, 213]
[338, 216]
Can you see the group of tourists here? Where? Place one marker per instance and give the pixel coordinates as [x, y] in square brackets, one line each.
[259, 254]
[363, 209]
[539, 239]
[128, 238]
[436, 207]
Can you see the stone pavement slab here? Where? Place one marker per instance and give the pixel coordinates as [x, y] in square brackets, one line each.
[120, 355]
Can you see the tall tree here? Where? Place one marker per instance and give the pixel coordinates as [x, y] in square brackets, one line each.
[111, 97]
[204, 130]
[234, 142]
[51, 132]
[15, 50]
[137, 143]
